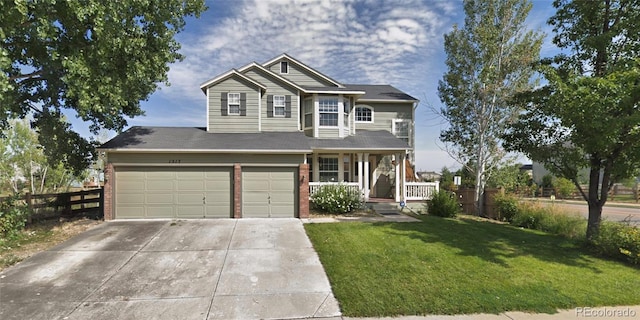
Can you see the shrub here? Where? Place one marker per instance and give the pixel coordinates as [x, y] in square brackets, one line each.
[564, 188]
[443, 204]
[13, 217]
[507, 206]
[618, 240]
[336, 198]
[549, 219]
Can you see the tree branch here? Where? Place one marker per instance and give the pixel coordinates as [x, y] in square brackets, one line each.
[27, 76]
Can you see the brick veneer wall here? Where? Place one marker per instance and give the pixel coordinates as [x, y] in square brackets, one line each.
[303, 191]
[107, 208]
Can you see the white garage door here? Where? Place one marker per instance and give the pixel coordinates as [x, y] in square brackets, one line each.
[269, 192]
[172, 192]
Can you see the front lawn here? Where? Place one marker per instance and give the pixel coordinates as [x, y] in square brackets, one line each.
[456, 266]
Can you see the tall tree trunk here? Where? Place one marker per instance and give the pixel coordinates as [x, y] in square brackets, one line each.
[479, 195]
[595, 205]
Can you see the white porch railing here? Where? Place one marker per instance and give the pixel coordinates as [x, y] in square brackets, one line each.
[352, 186]
[420, 190]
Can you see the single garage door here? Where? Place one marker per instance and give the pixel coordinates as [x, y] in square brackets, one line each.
[269, 192]
[173, 192]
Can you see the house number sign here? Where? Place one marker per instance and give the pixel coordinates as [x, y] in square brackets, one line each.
[174, 161]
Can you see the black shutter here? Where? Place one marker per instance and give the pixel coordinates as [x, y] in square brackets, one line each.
[243, 104]
[270, 106]
[287, 106]
[223, 103]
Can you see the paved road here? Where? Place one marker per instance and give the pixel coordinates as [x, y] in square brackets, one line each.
[610, 212]
[195, 269]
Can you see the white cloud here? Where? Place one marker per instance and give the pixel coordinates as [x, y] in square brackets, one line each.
[351, 41]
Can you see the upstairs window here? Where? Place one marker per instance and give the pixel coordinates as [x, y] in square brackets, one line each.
[402, 130]
[278, 106]
[364, 114]
[328, 110]
[233, 103]
[347, 109]
[284, 67]
[308, 113]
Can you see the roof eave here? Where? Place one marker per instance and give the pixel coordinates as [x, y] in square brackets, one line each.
[388, 100]
[333, 92]
[276, 151]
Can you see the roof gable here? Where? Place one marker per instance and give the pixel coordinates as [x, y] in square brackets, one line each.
[255, 65]
[231, 73]
[286, 57]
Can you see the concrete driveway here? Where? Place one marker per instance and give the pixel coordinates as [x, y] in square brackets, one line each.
[192, 269]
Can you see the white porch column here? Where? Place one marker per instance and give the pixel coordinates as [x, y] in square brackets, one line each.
[316, 168]
[398, 176]
[367, 186]
[403, 168]
[360, 171]
[374, 174]
[341, 167]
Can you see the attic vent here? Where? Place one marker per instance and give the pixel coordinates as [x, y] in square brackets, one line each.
[284, 67]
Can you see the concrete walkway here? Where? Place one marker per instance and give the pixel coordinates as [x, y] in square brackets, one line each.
[194, 269]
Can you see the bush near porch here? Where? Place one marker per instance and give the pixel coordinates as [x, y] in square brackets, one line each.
[336, 198]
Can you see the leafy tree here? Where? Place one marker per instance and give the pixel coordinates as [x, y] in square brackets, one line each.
[24, 164]
[509, 177]
[97, 58]
[587, 115]
[446, 179]
[488, 61]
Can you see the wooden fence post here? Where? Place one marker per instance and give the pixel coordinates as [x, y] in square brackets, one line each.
[28, 199]
[101, 203]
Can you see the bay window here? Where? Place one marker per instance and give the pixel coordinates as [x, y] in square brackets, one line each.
[328, 111]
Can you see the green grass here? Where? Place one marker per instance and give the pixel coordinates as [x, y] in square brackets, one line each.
[456, 266]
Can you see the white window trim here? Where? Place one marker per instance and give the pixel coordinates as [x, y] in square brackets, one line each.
[229, 104]
[283, 106]
[338, 111]
[285, 63]
[355, 113]
[329, 156]
[409, 128]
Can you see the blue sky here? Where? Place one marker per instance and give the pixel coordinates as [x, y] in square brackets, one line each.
[360, 41]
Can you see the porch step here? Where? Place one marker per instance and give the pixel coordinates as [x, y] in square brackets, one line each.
[394, 208]
[384, 208]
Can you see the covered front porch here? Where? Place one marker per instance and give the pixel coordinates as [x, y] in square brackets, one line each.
[375, 175]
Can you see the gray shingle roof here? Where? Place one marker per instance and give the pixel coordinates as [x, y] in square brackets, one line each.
[331, 89]
[380, 92]
[198, 139]
[362, 140]
[194, 139]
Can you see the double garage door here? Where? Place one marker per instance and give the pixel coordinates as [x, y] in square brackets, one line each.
[202, 192]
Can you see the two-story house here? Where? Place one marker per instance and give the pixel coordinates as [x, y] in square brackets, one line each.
[273, 131]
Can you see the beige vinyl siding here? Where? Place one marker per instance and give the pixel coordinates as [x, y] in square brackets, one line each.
[308, 132]
[383, 115]
[300, 76]
[208, 158]
[233, 123]
[328, 132]
[275, 87]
